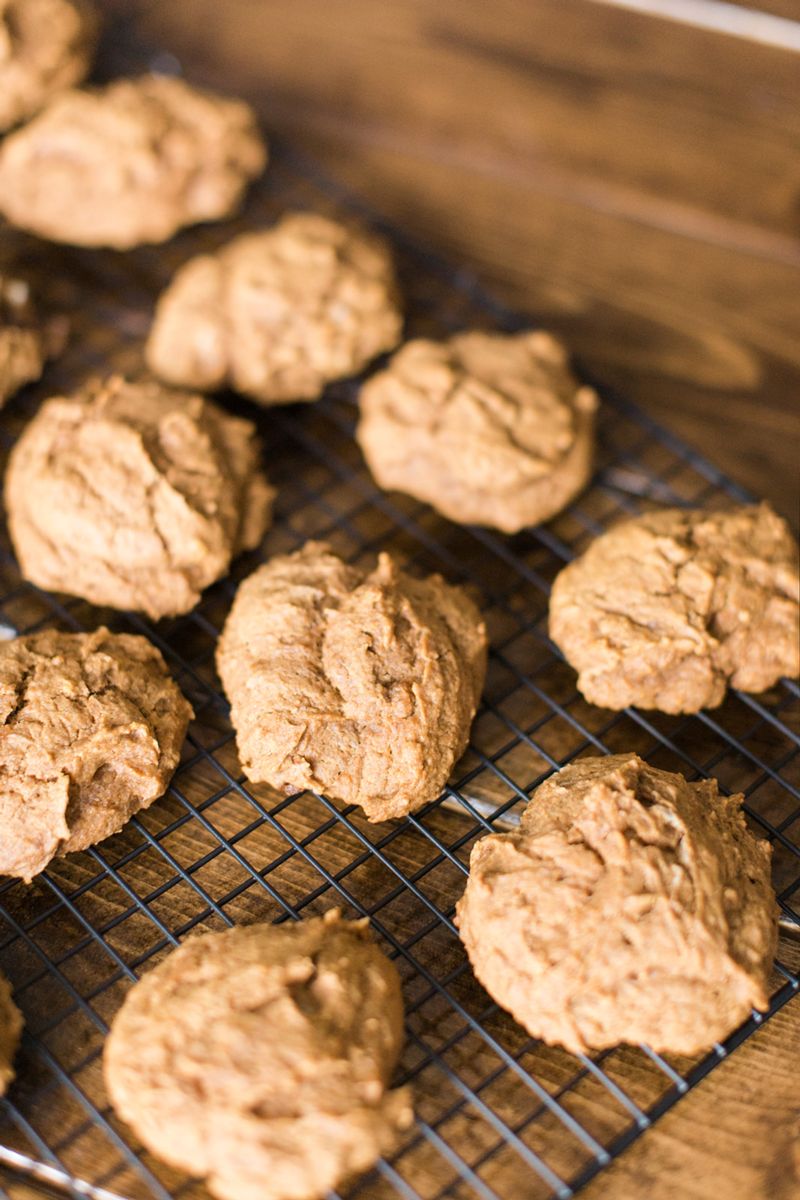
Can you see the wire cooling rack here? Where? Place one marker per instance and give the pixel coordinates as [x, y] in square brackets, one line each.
[499, 1116]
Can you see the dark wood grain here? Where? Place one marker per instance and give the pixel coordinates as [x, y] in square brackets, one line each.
[652, 112]
[736, 1136]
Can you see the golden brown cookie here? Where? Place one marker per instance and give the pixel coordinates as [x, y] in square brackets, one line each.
[26, 341]
[129, 163]
[92, 729]
[668, 609]
[45, 47]
[488, 428]
[10, 1030]
[258, 1059]
[278, 314]
[134, 496]
[359, 685]
[629, 906]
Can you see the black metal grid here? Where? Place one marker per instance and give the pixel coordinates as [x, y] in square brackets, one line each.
[498, 1115]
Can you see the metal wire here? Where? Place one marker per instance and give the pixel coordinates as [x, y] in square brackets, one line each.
[498, 1115]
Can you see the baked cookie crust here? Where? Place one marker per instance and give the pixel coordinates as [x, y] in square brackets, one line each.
[358, 684]
[259, 1058]
[92, 729]
[278, 314]
[45, 47]
[129, 163]
[629, 906]
[669, 609]
[488, 428]
[134, 496]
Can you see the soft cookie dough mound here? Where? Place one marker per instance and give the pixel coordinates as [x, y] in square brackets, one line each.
[259, 1058]
[134, 496]
[45, 46]
[666, 610]
[10, 1030]
[629, 906]
[490, 429]
[129, 163]
[278, 314]
[92, 728]
[358, 685]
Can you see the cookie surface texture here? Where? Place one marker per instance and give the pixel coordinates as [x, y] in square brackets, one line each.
[134, 496]
[669, 609]
[259, 1058]
[358, 684]
[489, 429]
[129, 163]
[26, 340]
[45, 47]
[278, 314]
[92, 729]
[629, 906]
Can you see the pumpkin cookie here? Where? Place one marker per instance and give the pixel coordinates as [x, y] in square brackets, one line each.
[488, 428]
[45, 47]
[258, 1059]
[134, 496]
[129, 163]
[668, 609]
[26, 342]
[629, 906]
[358, 684]
[278, 314]
[92, 729]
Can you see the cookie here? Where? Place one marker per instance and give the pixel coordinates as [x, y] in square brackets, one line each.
[667, 610]
[45, 47]
[278, 314]
[134, 496]
[488, 428]
[26, 342]
[258, 1059]
[358, 684]
[129, 163]
[629, 906]
[10, 1030]
[92, 729]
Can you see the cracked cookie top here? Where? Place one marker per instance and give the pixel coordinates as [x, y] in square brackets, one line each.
[278, 314]
[666, 610]
[259, 1058]
[629, 906]
[358, 684]
[92, 728]
[488, 428]
[45, 47]
[134, 496]
[129, 163]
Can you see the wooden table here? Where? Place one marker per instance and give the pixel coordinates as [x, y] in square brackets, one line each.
[634, 183]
